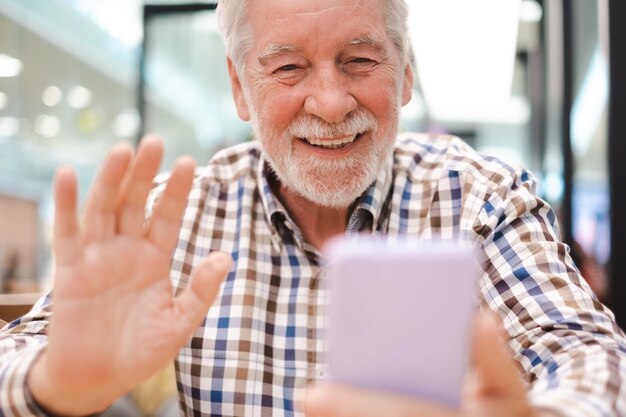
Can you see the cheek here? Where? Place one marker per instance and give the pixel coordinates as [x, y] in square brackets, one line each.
[381, 103]
[277, 107]
[381, 96]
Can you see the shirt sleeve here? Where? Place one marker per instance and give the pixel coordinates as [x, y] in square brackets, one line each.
[21, 342]
[568, 343]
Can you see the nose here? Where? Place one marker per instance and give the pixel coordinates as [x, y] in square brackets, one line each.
[329, 97]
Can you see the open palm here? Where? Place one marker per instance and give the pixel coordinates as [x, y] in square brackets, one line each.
[114, 319]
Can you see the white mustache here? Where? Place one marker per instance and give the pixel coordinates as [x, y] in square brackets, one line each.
[358, 121]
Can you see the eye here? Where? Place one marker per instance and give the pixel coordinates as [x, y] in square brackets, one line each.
[287, 68]
[289, 74]
[360, 65]
[361, 60]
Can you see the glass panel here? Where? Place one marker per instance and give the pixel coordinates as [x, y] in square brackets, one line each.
[66, 82]
[189, 102]
[505, 37]
[589, 144]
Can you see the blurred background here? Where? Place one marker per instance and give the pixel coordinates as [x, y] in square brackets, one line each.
[527, 80]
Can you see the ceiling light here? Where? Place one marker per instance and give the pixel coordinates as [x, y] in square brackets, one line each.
[4, 100]
[9, 126]
[51, 96]
[47, 126]
[79, 97]
[465, 53]
[126, 123]
[9, 66]
[531, 11]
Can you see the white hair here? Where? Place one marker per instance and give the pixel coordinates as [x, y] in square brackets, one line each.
[232, 20]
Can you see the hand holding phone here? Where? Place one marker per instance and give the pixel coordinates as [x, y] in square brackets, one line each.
[400, 316]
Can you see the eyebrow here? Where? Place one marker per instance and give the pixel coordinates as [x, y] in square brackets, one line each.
[368, 39]
[275, 50]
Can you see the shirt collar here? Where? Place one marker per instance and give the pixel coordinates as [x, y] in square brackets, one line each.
[270, 203]
[374, 200]
[371, 203]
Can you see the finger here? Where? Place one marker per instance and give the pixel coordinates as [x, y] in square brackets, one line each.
[194, 302]
[100, 216]
[496, 372]
[131, 203]
[66, 231]
[326, 400]
[164, 225]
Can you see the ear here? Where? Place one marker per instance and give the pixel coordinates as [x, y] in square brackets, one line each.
[407, 86]
[240, 100]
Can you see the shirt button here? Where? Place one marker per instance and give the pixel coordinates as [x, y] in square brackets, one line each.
[276, 241]
[321, 374]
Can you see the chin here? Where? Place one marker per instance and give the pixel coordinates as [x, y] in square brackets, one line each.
[334, 200]
[328, 187]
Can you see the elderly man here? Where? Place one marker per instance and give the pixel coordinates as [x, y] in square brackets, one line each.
[322, 82]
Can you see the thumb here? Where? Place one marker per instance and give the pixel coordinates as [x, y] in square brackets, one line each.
[206, 278]
[495, 369]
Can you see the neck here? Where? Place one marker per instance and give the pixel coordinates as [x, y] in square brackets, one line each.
[318, 224]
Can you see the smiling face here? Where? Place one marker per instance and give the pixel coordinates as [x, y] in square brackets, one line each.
[323, 84]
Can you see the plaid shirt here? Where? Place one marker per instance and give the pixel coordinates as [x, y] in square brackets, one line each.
[262, 339]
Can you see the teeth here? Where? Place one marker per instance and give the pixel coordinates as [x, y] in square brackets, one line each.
[332, 144]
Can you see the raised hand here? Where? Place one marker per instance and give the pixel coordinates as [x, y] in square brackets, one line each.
[114, 320]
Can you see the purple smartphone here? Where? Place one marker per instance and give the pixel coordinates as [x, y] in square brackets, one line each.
[400, 315]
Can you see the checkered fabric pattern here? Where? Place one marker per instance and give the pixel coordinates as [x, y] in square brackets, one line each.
[262, 340]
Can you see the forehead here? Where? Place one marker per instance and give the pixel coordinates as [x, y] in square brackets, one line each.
[280, 8]
[309, 22]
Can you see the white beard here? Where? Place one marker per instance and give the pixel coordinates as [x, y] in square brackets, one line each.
[329, 183]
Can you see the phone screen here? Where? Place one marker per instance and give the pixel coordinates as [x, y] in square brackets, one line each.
[399, 316]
